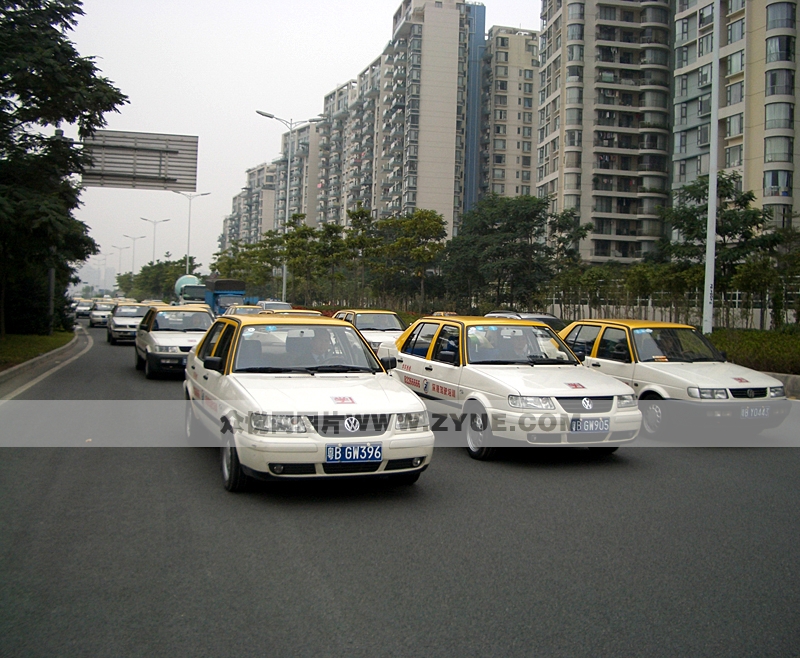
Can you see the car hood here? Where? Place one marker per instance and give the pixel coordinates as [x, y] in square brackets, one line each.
[707, 374]
[377, 336]
[101, 313]
[328, 393]
[126, 322]
[558, 381]
[177, 338]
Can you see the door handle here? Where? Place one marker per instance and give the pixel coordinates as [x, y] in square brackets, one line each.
[192, 367]
[595, 365]
[429, 368]
[205, 376]
[399, 360]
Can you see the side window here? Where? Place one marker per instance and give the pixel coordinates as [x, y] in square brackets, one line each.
[349, 318]
[571, 336]
[446, 347]
[224, 343]
[587, 335]
[614, 346]
[339, 316]
[210, 341]
[146, 321]
[420, 340]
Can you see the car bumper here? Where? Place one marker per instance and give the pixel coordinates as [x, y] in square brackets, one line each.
[167, 362]
[542, 428]
[122, 334]
[306, 457]
[759, 414]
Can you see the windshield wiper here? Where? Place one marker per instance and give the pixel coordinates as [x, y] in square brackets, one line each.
[551, 362]
[706, 358]
[193, 329]
[273, 369]
[667, 359]
[341, 368]
[498, 362]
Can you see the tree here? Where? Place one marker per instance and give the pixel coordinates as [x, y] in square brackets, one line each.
[44, 83]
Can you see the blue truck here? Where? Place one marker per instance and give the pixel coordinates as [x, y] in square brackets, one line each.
[222, 293]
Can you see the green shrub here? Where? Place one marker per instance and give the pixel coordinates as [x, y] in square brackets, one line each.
[767, 351]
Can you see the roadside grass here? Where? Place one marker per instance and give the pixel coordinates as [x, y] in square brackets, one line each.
[15, 349]
[767, 351]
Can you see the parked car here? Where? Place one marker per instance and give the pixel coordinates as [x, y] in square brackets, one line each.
[514, 380]
[302, 397]
[555, 323]
[375, 325]
[665, 361]
[242, 309]
[123, 321]
[165, 336]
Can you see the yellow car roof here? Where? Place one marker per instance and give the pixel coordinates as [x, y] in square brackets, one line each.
[633, 324]
[180, 307]
[286, 311]
[477, 320]
[364, 310]
[280, 319]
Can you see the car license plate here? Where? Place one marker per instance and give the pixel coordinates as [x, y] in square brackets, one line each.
[183, 361]
[589, 425]
[755, 412]
[354, 452]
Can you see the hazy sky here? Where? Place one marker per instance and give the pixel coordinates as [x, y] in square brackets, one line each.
[203, 68]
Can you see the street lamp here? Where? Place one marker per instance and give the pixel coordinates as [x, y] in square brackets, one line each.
[154, 222]
[121, 249]
[291, 125]
[190, 196]
[133, 252]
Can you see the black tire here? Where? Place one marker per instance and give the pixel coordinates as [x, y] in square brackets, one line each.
[479, 433]
[108, 336]
[234, 478]
[137, 360]
[602, 451]
[405, 479]
[149, 370]
[654, 417]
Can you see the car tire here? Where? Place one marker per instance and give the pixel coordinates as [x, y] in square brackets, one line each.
[603, 451]
[654, 418]
[150, 370]
[405, 479]
[479, 433]
[137, 360]
[234, 479]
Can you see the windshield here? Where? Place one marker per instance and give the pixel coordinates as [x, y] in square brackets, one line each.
[673, 344]
[246, 311]
[224, 301]
[303, 348]
[286, 306]
[130, 311]
[103, 307]
[194, 293]
[378, 322]
[181, 321]
[509, 344]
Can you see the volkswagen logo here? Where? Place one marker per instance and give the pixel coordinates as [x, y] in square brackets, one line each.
[351, 424]
[751, 393]
[587, 403]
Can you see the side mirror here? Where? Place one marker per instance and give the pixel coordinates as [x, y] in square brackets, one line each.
[581, 356]
[448, 356]
[724, 354]
[213, 363]
[388, 362]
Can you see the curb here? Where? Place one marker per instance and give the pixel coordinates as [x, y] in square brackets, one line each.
[31, 363]
[790, 382]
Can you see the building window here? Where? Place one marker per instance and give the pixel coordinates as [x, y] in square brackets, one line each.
[704, 75]
[575, 10]
[573, 137]
[574, 95]
[703, 133]
[733, 156]
[498, 173]
[777, 183]
[500, 144]
[681, 169]
[575, 32]
[681, 113]
[682, 30]
[500, 159]
[502, 42]
[681, 57]
[683, 85]
[780, 81]
[734, 125]
[736, 63]
[500, 129]
[498, 188]
[779, 115]
[501, 115]
[706, 16]
[501, 56]
[501, 85]
[705, 45]
[680, 142]
[501, 71]
[735, 93]
[781, 215]
[574, 116]
[704, 105]
[735, 5]
[780, 49]
[781, 14]
[778, 149]
[736, 31]
[574, 53]
[501, 100]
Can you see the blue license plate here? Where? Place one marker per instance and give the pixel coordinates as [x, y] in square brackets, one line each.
[354, 452]
[589, 425]
[755, 412]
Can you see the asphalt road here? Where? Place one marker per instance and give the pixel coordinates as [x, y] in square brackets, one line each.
[650, 552]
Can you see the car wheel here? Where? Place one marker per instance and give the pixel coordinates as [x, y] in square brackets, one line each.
[653, 414]
[137, 360]
[602, 451]
[405, 479]
[149, 368]
[233, 477]
[479, 433]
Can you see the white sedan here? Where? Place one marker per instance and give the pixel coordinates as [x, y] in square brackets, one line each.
[513, 381]
[302, 397]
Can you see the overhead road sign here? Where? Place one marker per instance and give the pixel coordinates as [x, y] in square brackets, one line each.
[148, 161]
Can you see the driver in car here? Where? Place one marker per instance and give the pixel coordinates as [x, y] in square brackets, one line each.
[321, 346]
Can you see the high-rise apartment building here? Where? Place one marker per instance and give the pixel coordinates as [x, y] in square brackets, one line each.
[755, 79]
[603, 119]
[510, 89]
[253, 209]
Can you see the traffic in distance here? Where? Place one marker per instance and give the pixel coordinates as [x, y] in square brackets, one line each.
[291, 393]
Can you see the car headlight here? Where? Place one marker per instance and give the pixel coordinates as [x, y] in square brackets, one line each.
[777, 392]
[530, 402]
[170, 349]
[415, 420]
[626, 401]
[707, 393]
[277, 423]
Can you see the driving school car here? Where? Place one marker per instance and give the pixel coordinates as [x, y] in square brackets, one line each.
[677, 374]
[302, 397]
[375, 325]
[513, 380]
[123, 322]
[165, 336]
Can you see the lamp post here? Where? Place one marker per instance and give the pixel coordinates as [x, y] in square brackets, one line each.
[154, 222]
[291, 125]
[120, 249]
[190, 196]
[133, 251]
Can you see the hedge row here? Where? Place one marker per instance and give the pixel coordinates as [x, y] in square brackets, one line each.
[767, 351]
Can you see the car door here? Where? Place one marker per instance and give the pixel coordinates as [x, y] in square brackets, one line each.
[220, 395]
[413, 356]
[201, 378]
[582, 338]
[143, 333]
[443, 368]
[613, 355]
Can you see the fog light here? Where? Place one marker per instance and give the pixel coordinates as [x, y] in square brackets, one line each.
[417, 461]
[277, 469]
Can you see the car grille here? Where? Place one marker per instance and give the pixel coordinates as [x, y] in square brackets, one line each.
[358, 467]
[186, 348]
[397, 464]
[575, 405]
[335, 426]
[745, 392]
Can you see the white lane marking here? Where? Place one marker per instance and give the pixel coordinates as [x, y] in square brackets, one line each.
[45, 375]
